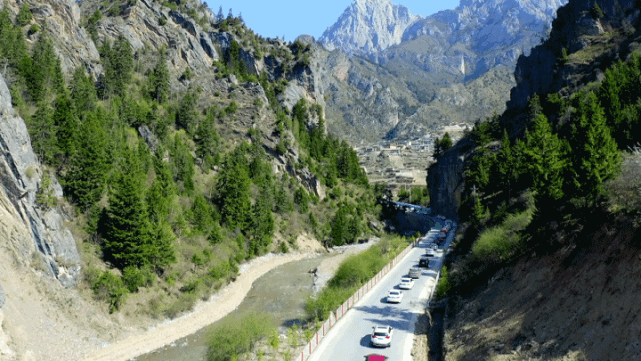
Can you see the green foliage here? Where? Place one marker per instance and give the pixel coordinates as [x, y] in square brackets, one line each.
[345, 226]
[134, 278]
[43, 133]
[301, 198]
[442, 145]
[182, 163]
[118, 65]
[110, 287]
[126, 230]
[564, 55]
[352, 274]
[83, 92]
[234, 194]
[544, 155]
[159, 79]
[595, 155]
[187, 117]
[499, 244]
[234, 337]
[45, 73]
[596, 11]
[620, 96]
[92, 23]
[24, 15]
[444, 286]
[89, 164]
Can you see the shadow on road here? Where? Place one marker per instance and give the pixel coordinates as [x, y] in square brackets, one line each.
[393, 316]
[366, 341]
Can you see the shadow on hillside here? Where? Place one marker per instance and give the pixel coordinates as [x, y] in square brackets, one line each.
[571, 301]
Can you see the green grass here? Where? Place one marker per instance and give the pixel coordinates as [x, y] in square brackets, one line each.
[354, 272]
[233, 337]
[500, 243]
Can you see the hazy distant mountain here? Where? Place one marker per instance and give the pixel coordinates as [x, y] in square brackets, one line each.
[453, 66]
[368, 27]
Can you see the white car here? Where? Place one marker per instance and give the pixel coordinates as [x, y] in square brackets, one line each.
[394, 296]
[382, 336]
[406, 283]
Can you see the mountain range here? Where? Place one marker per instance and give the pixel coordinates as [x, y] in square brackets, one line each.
[405, 76]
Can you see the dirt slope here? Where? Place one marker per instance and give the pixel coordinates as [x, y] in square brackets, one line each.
[579, 303]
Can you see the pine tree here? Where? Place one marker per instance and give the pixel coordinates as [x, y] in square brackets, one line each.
[220, 17]
[118, 64]
[161, 192]
[208, 142]
[65, 119]
[85, 180]
[43, 133]
[234, 190]
[262, 220]
[595, 154]
[183, 163]
[162, 252]
[45, 73]
[506, 167]
[545, 159]
[187, 116]
[160, 86]
[83, 92]
[127, 231]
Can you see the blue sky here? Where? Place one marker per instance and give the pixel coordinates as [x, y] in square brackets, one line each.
[291, 18]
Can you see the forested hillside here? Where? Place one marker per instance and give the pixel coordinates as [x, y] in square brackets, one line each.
[549, 193]
[172, 178]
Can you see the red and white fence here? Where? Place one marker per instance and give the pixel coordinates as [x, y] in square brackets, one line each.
[342, 309]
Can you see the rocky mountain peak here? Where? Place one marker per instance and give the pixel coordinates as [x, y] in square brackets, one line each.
[368, 26]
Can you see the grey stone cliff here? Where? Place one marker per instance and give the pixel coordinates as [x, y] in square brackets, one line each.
[21, 177]
[368, 27]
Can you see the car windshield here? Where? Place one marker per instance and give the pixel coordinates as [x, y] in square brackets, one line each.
[380, 334]
[394, 293]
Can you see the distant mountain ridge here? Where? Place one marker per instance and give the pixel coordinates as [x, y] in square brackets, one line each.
[450, 67]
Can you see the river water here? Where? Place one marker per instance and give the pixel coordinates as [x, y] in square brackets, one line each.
[280, 292]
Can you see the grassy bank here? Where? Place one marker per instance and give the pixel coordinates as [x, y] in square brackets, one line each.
[352, 274]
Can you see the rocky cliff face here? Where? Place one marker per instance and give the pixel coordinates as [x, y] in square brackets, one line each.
[368, 27]
[31, 228]
[446, 183]
[574, 29]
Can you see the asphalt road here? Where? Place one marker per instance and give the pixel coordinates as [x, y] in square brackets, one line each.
[349, 339]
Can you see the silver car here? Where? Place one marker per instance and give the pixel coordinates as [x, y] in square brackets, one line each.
[414, 272]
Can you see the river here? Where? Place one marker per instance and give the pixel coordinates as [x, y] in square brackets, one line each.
[280, 292]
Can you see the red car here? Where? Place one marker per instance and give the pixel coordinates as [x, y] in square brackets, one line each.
[375, 358]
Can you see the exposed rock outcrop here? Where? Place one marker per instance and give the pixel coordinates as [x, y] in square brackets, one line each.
[22, 179]
[446, 183]
[572, 29]
[367, 27]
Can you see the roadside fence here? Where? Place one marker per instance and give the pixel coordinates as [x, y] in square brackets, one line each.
[342, 309]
